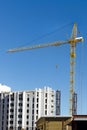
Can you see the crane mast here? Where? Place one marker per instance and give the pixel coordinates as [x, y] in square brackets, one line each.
[72, 41]
[72, 68]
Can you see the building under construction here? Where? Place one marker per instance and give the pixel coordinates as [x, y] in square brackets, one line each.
[76, 122]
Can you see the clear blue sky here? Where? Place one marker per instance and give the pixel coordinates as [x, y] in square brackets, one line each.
[21, 22]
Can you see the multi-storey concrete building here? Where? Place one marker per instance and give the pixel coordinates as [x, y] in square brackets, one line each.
[20, 110]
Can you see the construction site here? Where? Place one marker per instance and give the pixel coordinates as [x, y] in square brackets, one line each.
[73, 121]
[72, 42]
[43, 65]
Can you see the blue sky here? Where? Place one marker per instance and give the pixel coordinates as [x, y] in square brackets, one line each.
[24, 21]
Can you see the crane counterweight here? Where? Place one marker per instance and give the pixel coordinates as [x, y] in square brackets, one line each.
[75, 40]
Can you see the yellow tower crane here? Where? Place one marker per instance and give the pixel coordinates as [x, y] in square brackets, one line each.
[72, 41]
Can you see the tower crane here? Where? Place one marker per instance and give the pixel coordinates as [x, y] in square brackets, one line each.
[72, 42]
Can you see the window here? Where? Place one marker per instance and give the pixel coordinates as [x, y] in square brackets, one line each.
[52, 95]
[27, 105]
[28, 99]
[27, 123]
[45, 94]
[2, 123]
[19, 110]
[27, 116]
[36, 111]
[45, 100]
[37, 99]
[20, 97]
[11, 116]
[32, 111]
[45, 112]
[36, 117]
[12, 97]
[11, 104]
[32, 105]
[3, 106]
[3, 100]
[7, 111]
[32, 124]
[11, 128]
[8, 100]
[52, 106]
[37, 94]
[11, 122]
[19, 128]
[7, 105]
[51, 111]
[33, 99]
[19, 122]
[27, 111]
[11, 110]
[3, 117]
[45, 106]
[27, 128]
[20, 104]
[37, 105]
[52, 101]
[19, 116]
[32, 117]
[7, 117]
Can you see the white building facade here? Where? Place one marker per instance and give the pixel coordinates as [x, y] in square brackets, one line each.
[20, 110]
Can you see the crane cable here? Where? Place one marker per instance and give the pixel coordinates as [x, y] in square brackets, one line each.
[81, 74]
[47, 34]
